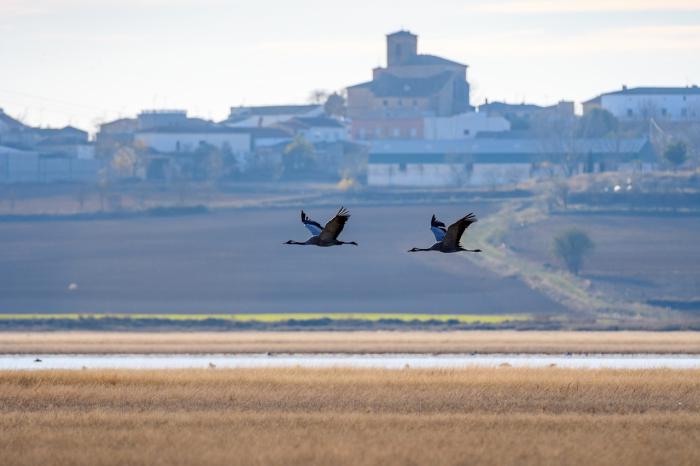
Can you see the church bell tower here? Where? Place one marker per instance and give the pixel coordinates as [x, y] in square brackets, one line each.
[401, 46]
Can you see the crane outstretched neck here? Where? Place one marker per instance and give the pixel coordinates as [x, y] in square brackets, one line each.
[291, 241]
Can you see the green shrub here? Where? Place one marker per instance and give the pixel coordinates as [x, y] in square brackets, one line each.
[570, 247]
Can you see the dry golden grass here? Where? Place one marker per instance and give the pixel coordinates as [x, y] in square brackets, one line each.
[345, 416]
[350, 342]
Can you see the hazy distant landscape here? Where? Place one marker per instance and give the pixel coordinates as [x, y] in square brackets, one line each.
[163, 303]
[222, 252]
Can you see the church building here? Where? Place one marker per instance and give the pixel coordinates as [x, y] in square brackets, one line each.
[412, 87]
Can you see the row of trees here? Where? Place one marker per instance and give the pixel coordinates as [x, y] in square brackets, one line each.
[208, 163]
[556, 132]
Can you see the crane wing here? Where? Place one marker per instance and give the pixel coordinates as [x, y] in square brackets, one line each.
[314, 227]
[456, 230]
[335, 226]
[438, 228]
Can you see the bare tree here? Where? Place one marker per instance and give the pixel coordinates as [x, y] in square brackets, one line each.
[318, 96]
[102, 186]
[80, 197]
[558, 194]
[459, 171]
[557, 142]
[13, 199]
[648, 109]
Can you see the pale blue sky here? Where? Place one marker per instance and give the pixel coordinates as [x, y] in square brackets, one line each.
[87, 61]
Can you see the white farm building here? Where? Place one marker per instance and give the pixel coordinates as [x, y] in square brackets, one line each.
[642, 103]
[490, 162]
[188, 138]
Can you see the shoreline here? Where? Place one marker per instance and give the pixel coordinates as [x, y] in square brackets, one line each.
[371, 361]
[352, 342]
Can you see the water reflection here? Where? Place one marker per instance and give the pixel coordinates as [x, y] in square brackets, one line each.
[386, 361]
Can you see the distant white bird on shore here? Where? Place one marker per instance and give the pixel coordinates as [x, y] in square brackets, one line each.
[72, 287]
[448, 240]
[328, 235]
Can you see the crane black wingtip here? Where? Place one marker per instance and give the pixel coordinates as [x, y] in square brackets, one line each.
[343, 212]
[434, 222]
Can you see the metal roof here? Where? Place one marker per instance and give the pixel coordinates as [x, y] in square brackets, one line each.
[500, 150]
[387, 85]
[263, 110]
[318, 122]
[688, 90]
[503, 106]
[423, 59]
[507, 146]
[656, 91]
[194, 128]
[448, 158]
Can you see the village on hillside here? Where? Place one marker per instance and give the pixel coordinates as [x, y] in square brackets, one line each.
[412, 125]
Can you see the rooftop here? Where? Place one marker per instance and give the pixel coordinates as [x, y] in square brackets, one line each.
[594, 100]
[120, 125]
[63, 141]
[70, 131]
[423, 59]
[263, 132]
[190, 130]
[508, 146]
[199, 126]
[275, 110]
[316, 122]
[402, 32]
[165, 111]
[11, 122]
[387, 85]
[687, 90]
[192, 126]
[503, 106]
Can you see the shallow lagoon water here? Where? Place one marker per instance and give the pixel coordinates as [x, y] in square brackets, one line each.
[383, 361]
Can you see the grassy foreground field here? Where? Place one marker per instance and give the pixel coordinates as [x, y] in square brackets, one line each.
[350, 342]
[344, 416]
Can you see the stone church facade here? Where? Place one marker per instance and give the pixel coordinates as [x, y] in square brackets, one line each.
[411, 87]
